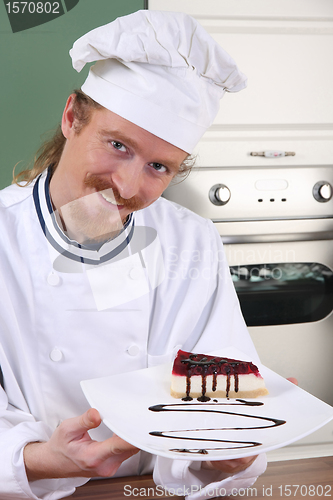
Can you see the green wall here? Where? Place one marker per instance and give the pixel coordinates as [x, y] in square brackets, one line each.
[36, 76]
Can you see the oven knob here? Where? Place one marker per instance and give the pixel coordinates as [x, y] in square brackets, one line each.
[322, 191]
[219, 194]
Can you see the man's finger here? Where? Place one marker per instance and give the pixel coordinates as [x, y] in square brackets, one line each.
[293, 380]
[116, 446]
[230, 466]
[121, 446]
[90, 419]
[77, 426]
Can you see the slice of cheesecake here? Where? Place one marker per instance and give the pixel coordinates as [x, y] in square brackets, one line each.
[204, 377]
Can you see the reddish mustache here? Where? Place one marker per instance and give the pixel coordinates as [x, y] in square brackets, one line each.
[95, 182]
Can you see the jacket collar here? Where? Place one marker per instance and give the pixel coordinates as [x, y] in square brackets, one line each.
[61, 243]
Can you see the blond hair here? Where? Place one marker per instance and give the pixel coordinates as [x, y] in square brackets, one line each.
[49, 154]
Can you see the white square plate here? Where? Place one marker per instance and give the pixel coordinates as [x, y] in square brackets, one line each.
[219, 430]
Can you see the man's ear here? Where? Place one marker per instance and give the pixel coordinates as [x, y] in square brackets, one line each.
[68, 118]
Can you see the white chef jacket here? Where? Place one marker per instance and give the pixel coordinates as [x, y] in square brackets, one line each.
[59, 325]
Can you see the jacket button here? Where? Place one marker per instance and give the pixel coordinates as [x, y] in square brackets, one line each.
[133, 350]
[135, 273]
[56, 355]
[53, 279]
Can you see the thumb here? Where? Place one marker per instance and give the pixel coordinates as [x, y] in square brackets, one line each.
[74, 428]
[90, 419]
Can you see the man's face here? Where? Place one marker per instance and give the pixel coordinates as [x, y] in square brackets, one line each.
[108, 170]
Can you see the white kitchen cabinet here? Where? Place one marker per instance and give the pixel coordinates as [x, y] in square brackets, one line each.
[285, 48]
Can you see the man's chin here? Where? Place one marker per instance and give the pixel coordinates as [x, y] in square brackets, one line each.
[86, 225]
[99, 238]
[99, 233]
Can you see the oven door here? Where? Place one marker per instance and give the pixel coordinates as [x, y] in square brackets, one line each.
[285, 286]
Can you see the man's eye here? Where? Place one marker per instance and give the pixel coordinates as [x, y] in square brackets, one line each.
[159, 167]
[118, 145]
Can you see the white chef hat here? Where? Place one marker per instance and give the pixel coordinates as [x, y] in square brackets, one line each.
[161, 71]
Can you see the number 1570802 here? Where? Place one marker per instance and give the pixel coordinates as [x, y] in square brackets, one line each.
[291, 490]
[33, 7]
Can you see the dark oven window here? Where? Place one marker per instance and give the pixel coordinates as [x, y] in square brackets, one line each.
[280, 294]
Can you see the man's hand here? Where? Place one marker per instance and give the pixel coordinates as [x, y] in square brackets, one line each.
[70, 452]
[229, 466]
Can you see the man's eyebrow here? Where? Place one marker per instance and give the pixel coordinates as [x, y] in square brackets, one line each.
[118, 136]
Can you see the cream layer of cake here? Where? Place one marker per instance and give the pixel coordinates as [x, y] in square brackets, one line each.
[204, 377]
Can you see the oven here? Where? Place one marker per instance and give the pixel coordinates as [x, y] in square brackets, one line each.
[277, 228]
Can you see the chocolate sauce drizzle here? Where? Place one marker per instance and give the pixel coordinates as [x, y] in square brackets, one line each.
[275, 422]
[204, 363]
[203, 408]
[198, 451]
[246, 444]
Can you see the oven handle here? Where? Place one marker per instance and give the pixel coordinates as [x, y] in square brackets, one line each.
[277, 238]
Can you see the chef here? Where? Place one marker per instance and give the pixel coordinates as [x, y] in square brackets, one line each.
[99, 275]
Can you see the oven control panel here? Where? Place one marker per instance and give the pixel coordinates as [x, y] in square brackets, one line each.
[231, 194]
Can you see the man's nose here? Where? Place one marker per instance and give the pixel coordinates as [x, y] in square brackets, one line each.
[127, 179]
